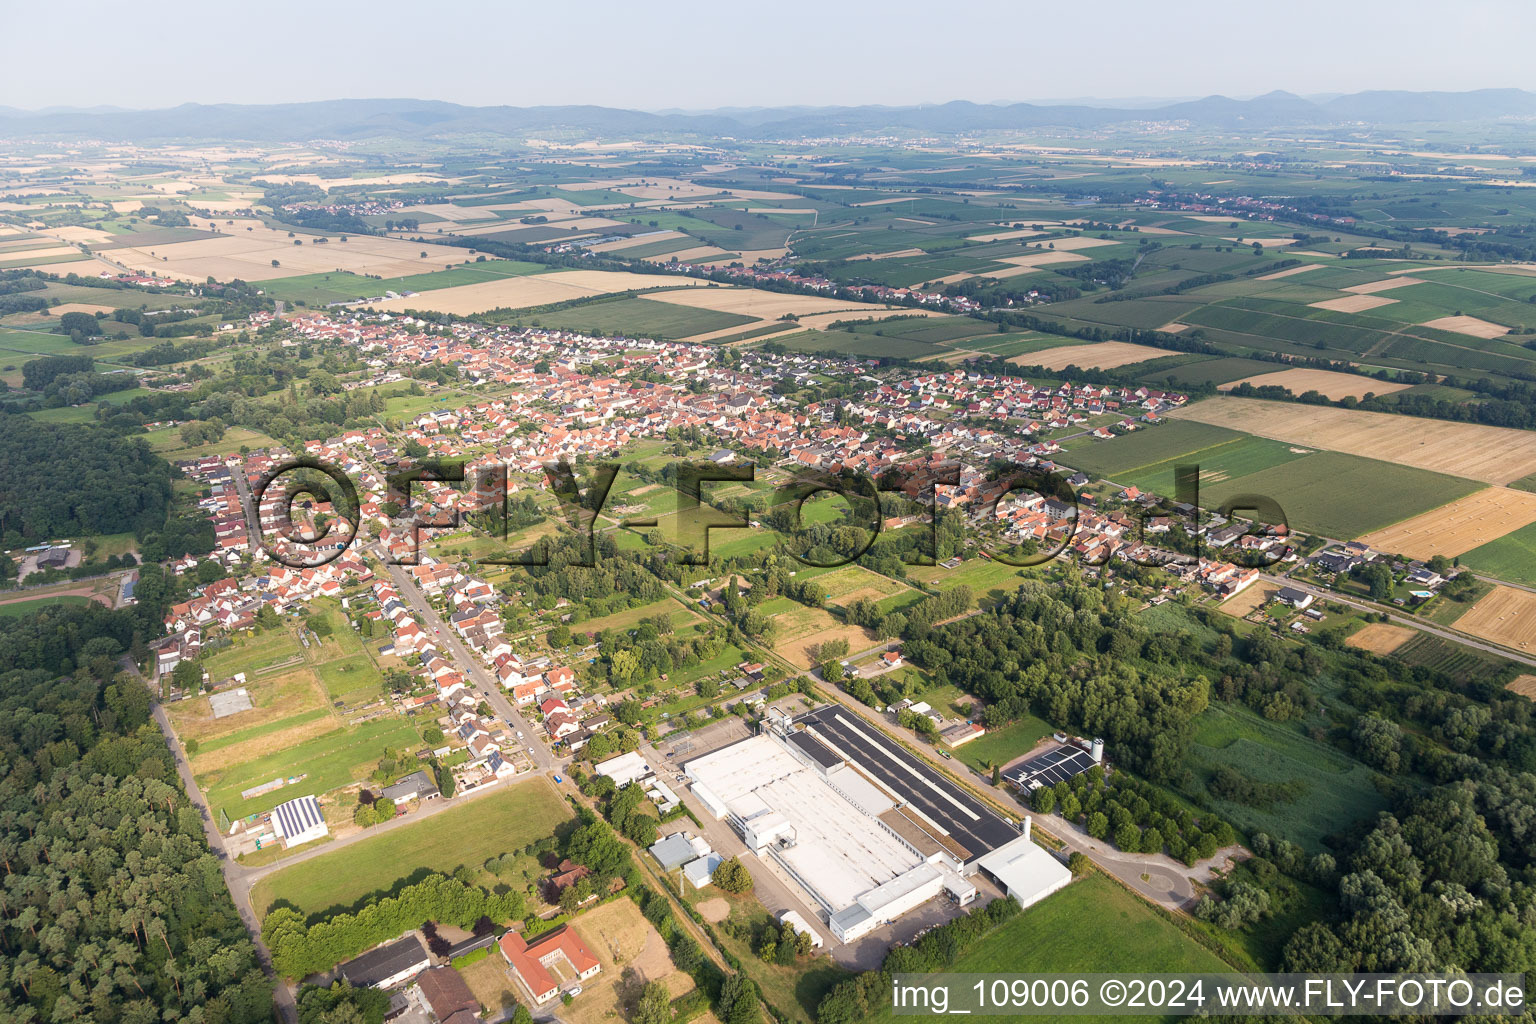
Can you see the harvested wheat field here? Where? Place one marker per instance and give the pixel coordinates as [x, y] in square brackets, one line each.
[1371, 287]
[249, 255]
[1380, 637]
[1255, 595]
[1028, 264]
[1495, 455]
[1352, 303]
[1469, 325]
[1102, 355]
[763, 304]
[1288, 272]
[80, 307]
[1506, 616]
[534, 290]
[1080, 242]
[1459, 527]
[1174, 327]
[1004, 236]
[1324, 382]
[1525, 686]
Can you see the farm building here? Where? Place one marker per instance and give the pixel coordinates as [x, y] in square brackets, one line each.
[298, 821]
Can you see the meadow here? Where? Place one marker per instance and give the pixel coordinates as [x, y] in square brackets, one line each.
[465, 835]
[1091, 926]
[1336, 790]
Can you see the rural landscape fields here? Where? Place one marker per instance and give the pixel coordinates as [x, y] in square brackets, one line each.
[1219, 705]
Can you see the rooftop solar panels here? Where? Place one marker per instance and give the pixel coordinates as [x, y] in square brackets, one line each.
[1049, 768]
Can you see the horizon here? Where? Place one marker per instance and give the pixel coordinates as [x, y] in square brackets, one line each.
[799, 57]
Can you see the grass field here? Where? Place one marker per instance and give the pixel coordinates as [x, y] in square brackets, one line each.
[14, 609]
[637, 318]
[468, 834]
[1337, 790]
[1000, 746]
[1091, 926]
[327, 762]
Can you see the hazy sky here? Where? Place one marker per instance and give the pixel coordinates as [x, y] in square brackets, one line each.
[698, 55]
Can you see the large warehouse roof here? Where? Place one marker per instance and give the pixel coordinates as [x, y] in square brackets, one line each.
[840, 851]
[944, 804]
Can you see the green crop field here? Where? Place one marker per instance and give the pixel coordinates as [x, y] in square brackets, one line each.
[1149, 447]
[1511, 557]
[1336, 789]
[636, 317]
[465, 835]
[1091, 926]
[1238, 457]
[1343, 496]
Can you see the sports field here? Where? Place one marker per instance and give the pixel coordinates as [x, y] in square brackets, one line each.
[1492, 454]
[1457, 528]
[465, 835]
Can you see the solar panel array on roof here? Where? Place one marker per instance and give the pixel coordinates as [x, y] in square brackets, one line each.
[1051, 767]
[297, 816]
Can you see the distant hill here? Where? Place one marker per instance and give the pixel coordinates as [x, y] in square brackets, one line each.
[426, 119]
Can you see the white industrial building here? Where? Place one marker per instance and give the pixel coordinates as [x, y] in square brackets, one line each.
[625, 768]
[1025, 871]
[298, 821]
[829, 827]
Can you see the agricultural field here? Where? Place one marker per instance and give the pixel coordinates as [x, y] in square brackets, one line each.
[1505, 616]
[1456, 660]
[1511, 557]
[637, 317]
[467, 834]
[1380, 637]
[1342, 496]
[1103, 355]
[1491, 454]
[529, 290]
[1325, 382]
[1479, 519]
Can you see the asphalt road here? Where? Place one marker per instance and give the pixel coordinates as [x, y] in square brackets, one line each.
[473, 669]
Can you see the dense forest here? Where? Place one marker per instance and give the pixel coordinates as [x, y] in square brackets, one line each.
[113, 910]
[69, 479]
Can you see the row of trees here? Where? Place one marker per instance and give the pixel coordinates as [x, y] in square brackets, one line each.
[300, 949]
